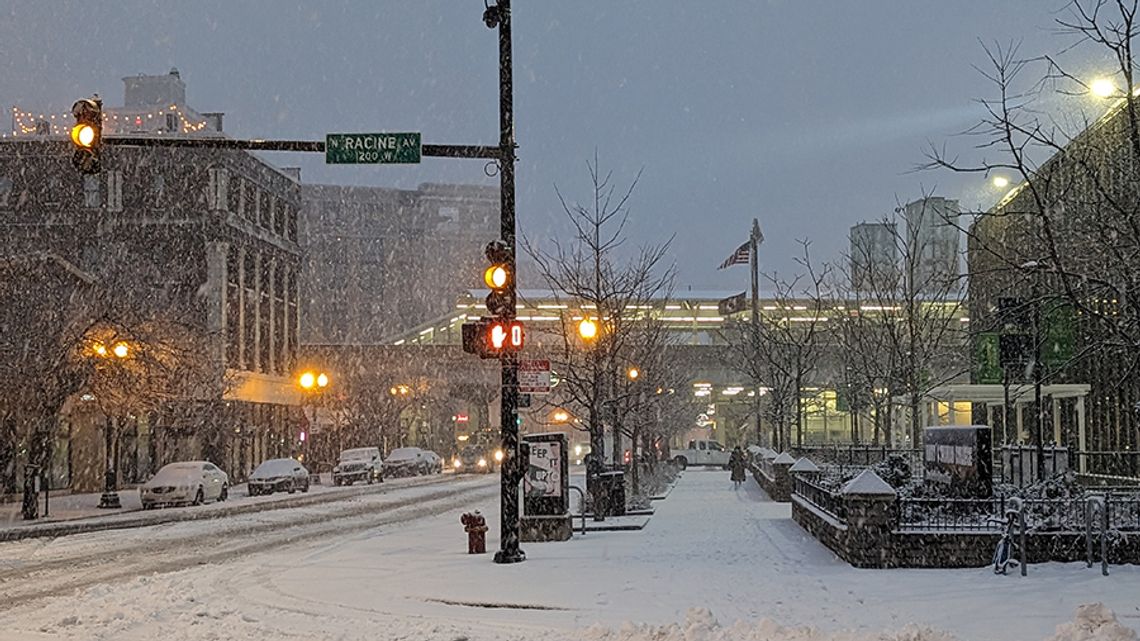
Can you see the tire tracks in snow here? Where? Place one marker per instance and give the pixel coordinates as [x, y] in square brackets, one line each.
[63, 576]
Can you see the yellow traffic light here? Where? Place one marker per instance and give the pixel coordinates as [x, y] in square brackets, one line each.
[87, 134]
[588, 329]
[497, 276]
[83, 135]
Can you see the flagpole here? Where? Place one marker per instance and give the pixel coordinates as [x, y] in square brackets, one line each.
[754, 240]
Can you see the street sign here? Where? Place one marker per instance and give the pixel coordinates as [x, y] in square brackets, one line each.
[534, 377]
[370, 149]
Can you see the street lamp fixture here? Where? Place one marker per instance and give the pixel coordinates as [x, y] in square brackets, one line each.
[1103, 88]
[1001, 182]
[633, 373]
[588, 329]
[121, 349]
[561, 416]
[399, 390]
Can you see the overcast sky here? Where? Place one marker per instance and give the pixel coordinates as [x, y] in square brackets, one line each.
[807, 114]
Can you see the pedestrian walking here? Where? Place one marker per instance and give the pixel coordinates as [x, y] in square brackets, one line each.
[736, 464]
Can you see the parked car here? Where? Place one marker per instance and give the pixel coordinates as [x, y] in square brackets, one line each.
[408, 461]
[435, 462]
[473, 458]
[701, 452]
[359, 464]
[278, 475]
[190, 482]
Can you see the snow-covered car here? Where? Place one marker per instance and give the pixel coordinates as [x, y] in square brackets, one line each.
[359, 464]
[407, 461]
[435, 462]
[278, 475]
[190, 482]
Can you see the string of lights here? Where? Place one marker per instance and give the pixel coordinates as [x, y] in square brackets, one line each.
[32, 123]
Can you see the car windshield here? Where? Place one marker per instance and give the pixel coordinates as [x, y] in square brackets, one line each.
[357, 455]
[403, 454]
[276, 467]
[178, 471]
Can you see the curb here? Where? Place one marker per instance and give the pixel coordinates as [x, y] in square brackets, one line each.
[144, 519]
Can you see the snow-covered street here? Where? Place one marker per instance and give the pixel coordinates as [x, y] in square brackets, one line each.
[399, 570]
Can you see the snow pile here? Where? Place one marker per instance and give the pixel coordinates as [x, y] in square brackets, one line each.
[1094, 622]
[701, 625]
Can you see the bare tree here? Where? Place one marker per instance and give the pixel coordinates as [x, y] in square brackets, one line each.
[591, 277]
[1071, 228]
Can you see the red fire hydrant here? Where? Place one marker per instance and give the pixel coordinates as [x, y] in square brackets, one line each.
[476, 528]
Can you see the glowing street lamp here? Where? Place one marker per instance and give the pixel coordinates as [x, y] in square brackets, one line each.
[588, 329]
[561, 416]
[1103, 88]
[121, 350]
[633, 373]
[1001, 182]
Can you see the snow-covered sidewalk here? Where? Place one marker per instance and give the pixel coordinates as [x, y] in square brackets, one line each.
[708, 546]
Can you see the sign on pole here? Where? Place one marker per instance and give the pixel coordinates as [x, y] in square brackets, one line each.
[534, 377]
[371, 149]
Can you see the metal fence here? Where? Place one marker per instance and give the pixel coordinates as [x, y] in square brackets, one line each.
[819, 496]
[858, 455]
[1112, 464]
[1041, 515]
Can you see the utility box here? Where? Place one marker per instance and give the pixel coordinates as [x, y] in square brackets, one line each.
[960, 457]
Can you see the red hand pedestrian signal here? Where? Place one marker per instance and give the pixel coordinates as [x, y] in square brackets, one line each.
[504, 336]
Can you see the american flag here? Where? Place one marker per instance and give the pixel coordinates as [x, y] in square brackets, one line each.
[739, 257]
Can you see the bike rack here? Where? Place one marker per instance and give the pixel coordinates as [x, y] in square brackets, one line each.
[581, 508]
[1097, 502]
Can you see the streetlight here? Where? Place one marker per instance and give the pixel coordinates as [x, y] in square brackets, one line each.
[311, 384]
[121, 350]
[633, 373]
[588, 329]
[561, 416]
[1001, 182]
[1103, 87]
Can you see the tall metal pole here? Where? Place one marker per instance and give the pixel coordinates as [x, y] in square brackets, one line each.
[511, 474]
[1039, 424]
[755, 265]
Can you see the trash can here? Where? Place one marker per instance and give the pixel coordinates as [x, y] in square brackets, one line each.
[613, 488]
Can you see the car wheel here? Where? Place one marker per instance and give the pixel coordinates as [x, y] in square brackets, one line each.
[682, 461]
[371, 479]
[225, 493]
[305, 487]
[200, 497]
[292, 486]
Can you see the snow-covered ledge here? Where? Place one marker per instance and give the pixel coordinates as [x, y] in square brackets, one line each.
[868, 484]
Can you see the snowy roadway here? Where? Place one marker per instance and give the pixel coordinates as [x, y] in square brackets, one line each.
[394, 566]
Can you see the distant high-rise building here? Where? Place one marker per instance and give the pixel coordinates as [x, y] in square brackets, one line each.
[933, 245]
[874, 256]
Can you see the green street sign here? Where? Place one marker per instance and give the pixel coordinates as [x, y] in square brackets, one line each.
[372, 149]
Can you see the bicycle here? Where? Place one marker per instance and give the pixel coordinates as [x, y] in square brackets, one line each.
[1004, 551]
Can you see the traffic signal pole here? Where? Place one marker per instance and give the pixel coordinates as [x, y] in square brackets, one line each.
[511, 473]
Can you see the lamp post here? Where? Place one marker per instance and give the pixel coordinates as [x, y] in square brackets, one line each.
[119, 351]
[1039, 424]
[312, 383]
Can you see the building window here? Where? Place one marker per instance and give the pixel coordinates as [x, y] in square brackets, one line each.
[291, 224]
[240, 197]
[266, 220]
[5, 190]
[216, 196]
[171, 123]
[115, 190]
[91, 191]
[158, 190]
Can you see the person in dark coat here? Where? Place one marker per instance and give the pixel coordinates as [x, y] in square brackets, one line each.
[736, 464]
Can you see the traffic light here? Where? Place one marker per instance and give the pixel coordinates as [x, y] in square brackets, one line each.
[493, 337]
[87, 134]
[499, 276]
